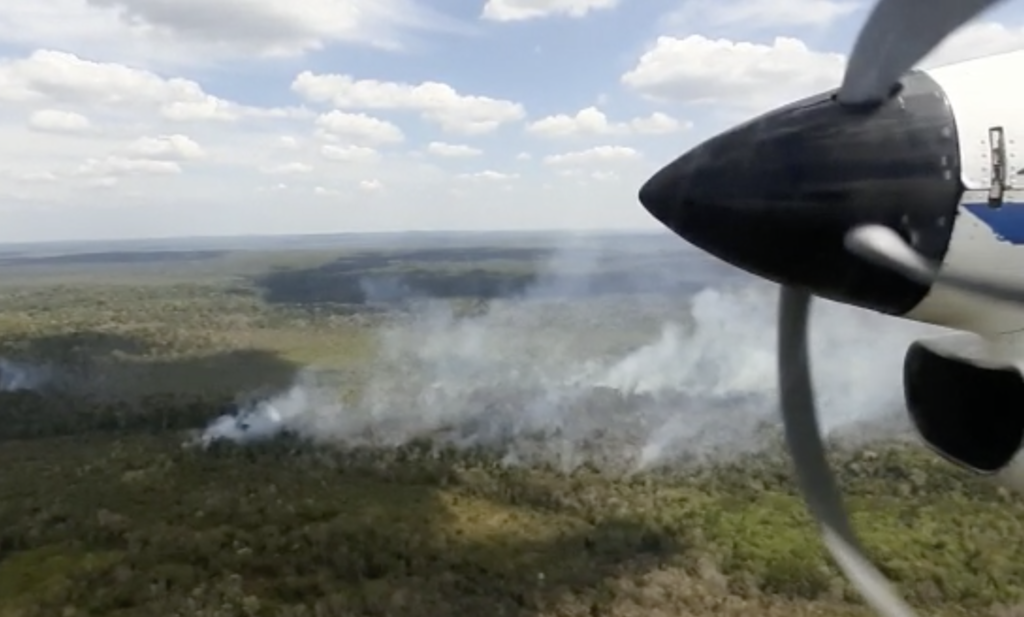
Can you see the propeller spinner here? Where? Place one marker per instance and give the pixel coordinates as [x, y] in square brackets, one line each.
[849, 195]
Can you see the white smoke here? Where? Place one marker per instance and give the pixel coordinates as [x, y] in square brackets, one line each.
[627, 380]
[19, 376]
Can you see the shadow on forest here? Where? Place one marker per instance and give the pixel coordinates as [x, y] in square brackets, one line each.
[303, 531]
[102, 381]
[394, 275]
[484, 274]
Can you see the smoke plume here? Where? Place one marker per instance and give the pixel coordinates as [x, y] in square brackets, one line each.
[19, 376]
[560, 375]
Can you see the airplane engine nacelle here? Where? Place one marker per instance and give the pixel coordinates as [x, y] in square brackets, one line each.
[966, 401]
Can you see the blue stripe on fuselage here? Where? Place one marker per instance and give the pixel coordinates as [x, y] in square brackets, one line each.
[1006, 221]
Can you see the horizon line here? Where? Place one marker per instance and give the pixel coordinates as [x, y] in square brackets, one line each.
[420, 232]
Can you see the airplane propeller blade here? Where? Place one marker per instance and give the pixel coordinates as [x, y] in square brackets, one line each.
[818, 485]
[896, 36]
[883, 246]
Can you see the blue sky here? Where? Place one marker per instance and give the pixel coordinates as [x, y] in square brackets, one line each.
[148, 118]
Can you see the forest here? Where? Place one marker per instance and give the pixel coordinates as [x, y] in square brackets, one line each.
[111, 364]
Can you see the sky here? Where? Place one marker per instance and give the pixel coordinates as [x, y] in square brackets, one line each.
[164, 118]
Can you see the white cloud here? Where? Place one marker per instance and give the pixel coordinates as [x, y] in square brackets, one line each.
[440, 148]
[57, 121]
[658, 124]
[584, 175]
[436, 102]
[597, 154]
[592, 121]
[114, 166]
[273, 188]
[349, 154]
[324, 191]
[364, 186]
[184, 32]
[360, 128]
[64, 78]
[103, 182]
[36, 176]
[489, 175]
[294, 167]
[521, 10]
[169, 147]
[744, 75]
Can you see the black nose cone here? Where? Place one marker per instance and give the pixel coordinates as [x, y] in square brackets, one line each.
[664, 193]
[775, 196]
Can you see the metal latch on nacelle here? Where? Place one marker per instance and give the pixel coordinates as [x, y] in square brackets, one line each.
[998, 183]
